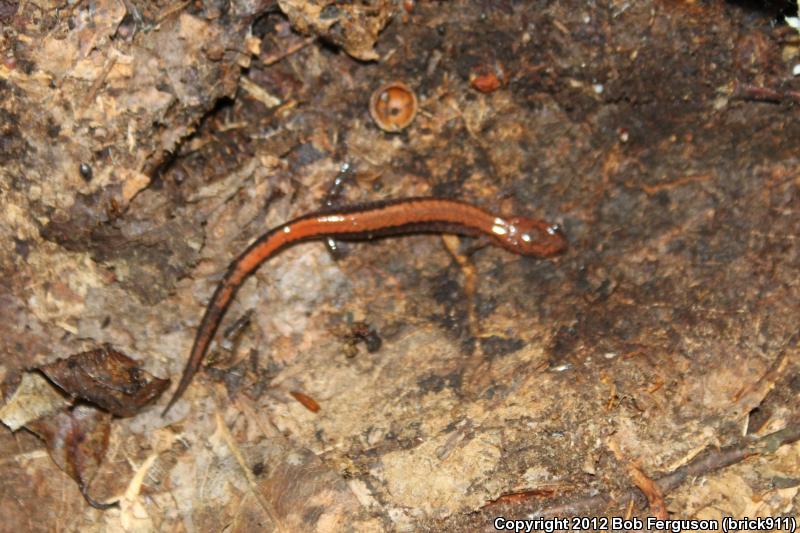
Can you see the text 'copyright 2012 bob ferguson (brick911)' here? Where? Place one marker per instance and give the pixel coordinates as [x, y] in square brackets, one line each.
[601, 523]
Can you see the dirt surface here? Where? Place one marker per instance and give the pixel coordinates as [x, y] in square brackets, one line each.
[650, 370]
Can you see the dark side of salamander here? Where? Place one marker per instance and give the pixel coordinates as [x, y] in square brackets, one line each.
[407, 216]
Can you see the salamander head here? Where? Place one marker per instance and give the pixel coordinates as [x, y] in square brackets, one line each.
[528, 236]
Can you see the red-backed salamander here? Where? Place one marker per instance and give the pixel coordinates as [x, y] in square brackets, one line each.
[520, 235]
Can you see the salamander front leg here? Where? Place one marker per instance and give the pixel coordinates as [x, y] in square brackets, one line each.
[333, 200]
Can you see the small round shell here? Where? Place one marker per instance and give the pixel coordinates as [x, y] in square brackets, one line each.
[393, 106]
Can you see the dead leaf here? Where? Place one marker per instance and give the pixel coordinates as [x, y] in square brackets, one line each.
[77, 441]
[107, 378]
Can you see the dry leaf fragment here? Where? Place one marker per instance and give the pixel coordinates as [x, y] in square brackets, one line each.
[107, 378]
[352, 25]
[77, 441]
[33, 398]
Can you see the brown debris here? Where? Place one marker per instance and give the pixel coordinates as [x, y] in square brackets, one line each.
[307, 401]
[487, 78]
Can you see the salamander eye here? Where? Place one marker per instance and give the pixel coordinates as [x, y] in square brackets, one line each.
[554, 229]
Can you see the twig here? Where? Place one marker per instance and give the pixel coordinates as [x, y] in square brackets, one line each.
[272, 59]
[654, 494]
[110, 62]
[170, 10]
[743, 91]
